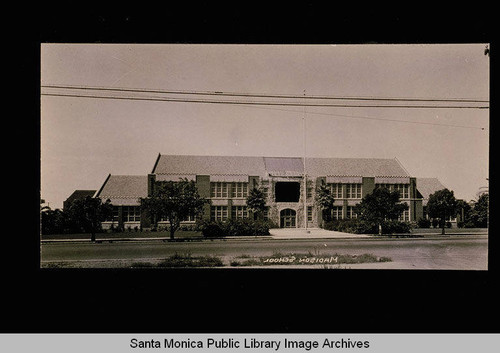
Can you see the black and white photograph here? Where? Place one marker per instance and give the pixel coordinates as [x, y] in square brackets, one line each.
[326, 157]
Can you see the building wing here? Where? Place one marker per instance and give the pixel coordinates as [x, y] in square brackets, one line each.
[262, 166]
[208, 165]
[124, 190]
[428, 186]
[367, 167]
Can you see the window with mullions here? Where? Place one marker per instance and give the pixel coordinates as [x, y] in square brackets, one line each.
[190, 218]
[337, 212]
[353, 191]
[350, 213]
[405, 216]
[265, 189]
[218, 213]
[266, 213]
[218, 190]
[239, 190]
[403, 189]
[239, 212]
[336, 190]
[131, 213]
[309, 213]
[114, 216]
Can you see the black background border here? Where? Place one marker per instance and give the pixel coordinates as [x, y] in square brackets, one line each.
[239, 301]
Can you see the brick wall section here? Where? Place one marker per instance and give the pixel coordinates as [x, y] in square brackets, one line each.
[416, 207]
[203, 185]
[368, 186]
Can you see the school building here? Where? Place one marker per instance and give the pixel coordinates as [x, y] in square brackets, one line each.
[289, 184]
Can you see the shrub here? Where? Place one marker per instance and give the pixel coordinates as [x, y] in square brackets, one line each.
[357, 226]
[392, 227]
[212, 229]
[424, 223]
[354, 225]
[234, 227]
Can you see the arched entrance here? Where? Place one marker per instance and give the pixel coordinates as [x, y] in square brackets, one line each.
[287, 218]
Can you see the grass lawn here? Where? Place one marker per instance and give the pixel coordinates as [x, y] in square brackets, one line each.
[187, 260]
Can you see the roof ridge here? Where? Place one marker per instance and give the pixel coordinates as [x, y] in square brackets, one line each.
[254, 156]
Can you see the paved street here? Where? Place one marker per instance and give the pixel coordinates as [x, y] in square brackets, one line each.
[450, 252]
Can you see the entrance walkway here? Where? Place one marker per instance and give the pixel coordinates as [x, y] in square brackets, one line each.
[311, 233]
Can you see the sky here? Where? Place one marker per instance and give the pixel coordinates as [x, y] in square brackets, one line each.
[85, 139]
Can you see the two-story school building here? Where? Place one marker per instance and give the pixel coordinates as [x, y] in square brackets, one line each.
[289, 184]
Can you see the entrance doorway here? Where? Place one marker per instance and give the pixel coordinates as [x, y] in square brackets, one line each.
[287, 218]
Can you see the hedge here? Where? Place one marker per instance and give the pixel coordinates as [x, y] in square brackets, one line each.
[235, 227]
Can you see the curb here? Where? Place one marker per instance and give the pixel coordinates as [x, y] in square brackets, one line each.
[416, 236]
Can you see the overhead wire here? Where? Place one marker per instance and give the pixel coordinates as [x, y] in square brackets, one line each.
[263, 104]
[259, 95]
[163, 99]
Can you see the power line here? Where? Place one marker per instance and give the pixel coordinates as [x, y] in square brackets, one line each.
[258, 95]
[160, 99]
[376, 118]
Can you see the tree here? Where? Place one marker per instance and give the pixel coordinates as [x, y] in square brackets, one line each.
[325, 202]
[379, 206]
[442, 205]
[256, 202]
[174, 201]
[53, 221]
[88, 213]
[465, 211]
[479, 214]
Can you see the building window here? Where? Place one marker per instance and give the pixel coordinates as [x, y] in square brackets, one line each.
[265, 192]
[114, 215]
[265, 189]
[350, 213]
[239, 212]
[336, 190]
[266, 213]
[405, 216]
[218, 190]
[309, 213]
[403, 189]
[131, 214]
[190, 218]
[309, 192]
[337, 212]
[218, 213]
[353, 191]
[239, 190]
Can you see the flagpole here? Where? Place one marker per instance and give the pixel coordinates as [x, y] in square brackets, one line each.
[305, 174]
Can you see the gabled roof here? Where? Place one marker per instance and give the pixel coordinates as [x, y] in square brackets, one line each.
[428, 186]
[367, 167]
[80, 194]
[260, 166]
[124, 189]
[77, 195]
[208, 165]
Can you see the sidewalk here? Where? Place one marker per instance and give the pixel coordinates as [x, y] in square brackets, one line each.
[311, 233]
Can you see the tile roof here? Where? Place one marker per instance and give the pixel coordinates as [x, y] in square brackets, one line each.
[209, 165]
[427, 186]
[124, 189]
[367, 167]
[77, 195]
[80, 194]
[284, 164]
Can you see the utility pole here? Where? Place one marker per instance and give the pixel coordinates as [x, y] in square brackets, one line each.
[305, 173]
